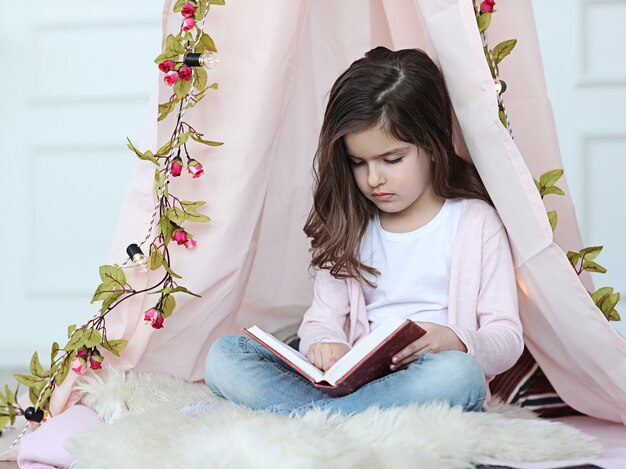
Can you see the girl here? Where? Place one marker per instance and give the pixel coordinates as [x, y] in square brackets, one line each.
[400, 226]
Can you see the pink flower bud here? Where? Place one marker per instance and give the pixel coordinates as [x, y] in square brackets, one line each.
[188, 24]
[149, 315]
[82, 353]
[177, 167]
[158, 322]
[188, 10]
[184, 73]
[190, 244]
[487, 6]
[180, 237]
[170, 78]
[78, 366]
[195, 169]
[166, 66]
[95, 362]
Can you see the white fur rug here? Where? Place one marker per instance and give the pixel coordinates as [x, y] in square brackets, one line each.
[145, 430]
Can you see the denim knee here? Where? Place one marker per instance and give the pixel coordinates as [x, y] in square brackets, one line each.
[218, 360]
[458, 377]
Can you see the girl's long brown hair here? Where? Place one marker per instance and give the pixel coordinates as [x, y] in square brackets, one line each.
[405, 92]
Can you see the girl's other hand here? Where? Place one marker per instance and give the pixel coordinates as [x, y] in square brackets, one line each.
[438, 338]
[323, 355]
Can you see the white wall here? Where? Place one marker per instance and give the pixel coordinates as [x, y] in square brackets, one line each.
[582, 45]
[74, 83]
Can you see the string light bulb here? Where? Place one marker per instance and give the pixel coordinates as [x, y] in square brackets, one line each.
[500, 86]
[140, 261]
[208, 60]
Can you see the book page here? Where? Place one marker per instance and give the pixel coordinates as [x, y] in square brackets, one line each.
[295, 357]
[360, 350]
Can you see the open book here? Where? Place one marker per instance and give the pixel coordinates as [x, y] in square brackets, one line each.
[368, 360]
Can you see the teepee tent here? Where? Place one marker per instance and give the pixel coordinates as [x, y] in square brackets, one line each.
[278, 61]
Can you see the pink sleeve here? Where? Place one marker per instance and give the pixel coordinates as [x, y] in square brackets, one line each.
[325, 320]
[498, 342]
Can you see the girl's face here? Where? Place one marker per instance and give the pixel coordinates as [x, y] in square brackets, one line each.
[393, 174]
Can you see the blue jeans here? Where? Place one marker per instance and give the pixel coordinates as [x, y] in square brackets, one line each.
[242, 371]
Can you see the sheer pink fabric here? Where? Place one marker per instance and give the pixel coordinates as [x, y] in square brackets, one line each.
[278, 61]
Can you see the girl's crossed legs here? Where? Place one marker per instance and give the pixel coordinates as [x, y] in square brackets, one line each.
[244, 372]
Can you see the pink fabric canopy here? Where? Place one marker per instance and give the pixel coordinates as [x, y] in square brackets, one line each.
[278, 61]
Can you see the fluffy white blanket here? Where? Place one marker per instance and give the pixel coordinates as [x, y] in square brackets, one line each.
[145, 430]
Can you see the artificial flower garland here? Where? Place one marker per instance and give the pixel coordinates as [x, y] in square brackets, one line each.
[85, 343]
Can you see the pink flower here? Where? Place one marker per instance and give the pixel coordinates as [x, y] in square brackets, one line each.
[180, 236]
[78, 366]
[188, 24]
[190, 244]
[177, 167]
[170, 78]
[188, 10]
[184, 73]
[95, 362]
[488, 5]
[166, 66]
[154, 317]
[158, 322]
[195, 169]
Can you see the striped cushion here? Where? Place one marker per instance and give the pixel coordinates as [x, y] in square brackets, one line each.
[526, 384]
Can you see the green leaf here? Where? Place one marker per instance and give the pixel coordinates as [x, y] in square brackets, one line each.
[484, 19]
[184, 290]
[502, 50]
[198, 138]
[207, 42]
[70, 329]
[115, 346]
[36, 369]
[502, 117]
[106, 290]
[614, 316]
[112, 273]
[591, 252]
[54, 351]
[173, 44]
[201, 78]
[165, 149]
[166, 55]
[27, 380]
[537, 185]
[490, 63]
[573, 258]
[148, 156]
[601, 294]
[156, 258]
[591, 266]
[609, 303]
[548, 179]
[91, 337]
[553, 190]
[197, 218]
[176, 215]
[166, 228]
[216, 2]
[9, 394]
[192, 205]
[182, 139]
[75, 342]
[65, 367]
[552, 218]
[167, 305]
[178, 6]
[182, 88]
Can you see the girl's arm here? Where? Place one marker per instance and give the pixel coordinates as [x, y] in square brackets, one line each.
[498, 342]
[325, 320]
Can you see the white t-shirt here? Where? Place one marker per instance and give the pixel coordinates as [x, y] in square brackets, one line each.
[414, 266]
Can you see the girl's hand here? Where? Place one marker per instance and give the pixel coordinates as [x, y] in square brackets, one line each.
[438, 338]
[323, 355]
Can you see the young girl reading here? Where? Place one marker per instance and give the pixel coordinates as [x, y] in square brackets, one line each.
[400, 226]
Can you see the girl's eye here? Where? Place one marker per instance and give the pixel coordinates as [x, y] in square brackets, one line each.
[396, 161]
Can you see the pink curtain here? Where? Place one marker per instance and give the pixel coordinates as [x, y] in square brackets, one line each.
[278, 61]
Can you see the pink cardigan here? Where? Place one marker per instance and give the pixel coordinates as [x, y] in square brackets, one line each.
[482, 310]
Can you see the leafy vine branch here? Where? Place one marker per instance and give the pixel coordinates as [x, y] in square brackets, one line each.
[604, 298]
[184, 63]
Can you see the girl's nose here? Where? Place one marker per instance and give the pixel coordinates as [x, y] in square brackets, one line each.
[374, 177]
